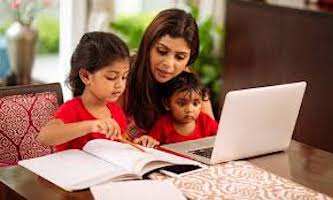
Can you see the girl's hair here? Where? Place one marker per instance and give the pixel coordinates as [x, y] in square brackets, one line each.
[94, 51]
[184, 82]
[143, 95]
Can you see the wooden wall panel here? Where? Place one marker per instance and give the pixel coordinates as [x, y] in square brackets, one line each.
[267, 44]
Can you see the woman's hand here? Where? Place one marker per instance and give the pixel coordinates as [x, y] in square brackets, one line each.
[109, 127]
[146, 141]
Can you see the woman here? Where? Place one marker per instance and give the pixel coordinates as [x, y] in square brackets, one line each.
[169, 45]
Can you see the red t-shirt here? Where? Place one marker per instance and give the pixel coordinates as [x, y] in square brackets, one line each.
[74, 111]
[165, 133]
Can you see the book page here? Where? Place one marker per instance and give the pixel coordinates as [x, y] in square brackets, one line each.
[72, 169]
[117, 153]
[143, 189]
[130, 158]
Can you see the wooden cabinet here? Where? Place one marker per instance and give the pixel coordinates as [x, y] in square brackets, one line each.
[269, 44]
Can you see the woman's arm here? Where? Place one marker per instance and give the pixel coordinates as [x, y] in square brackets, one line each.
[206, 107]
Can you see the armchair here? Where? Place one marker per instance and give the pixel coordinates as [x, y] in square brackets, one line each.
[23, 111]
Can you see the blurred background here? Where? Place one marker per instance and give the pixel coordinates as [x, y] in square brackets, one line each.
[61, 23]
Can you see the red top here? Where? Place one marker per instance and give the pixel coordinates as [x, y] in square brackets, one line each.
[74, 111]
[165, 133]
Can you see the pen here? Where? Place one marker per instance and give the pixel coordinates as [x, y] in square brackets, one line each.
[132, 144]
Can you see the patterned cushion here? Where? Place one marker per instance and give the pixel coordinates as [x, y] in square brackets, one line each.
[21, 117]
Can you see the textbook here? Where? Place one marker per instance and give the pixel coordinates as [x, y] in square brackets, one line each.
[100, 161]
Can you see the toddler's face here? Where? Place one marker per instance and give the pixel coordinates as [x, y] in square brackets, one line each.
[108, 83]
[185, 106]
[168, 58]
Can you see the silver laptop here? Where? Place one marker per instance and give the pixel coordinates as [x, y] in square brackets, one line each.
[253, 122]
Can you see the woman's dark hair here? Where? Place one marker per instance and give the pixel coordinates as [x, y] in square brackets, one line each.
[94, 51]
[184, 82]
[143, 98]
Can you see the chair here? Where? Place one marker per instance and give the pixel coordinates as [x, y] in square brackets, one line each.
[23, 111]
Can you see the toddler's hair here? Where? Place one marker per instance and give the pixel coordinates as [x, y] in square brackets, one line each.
[184, 82]
[94, 51]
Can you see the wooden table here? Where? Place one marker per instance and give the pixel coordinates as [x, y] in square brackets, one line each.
[302, 164]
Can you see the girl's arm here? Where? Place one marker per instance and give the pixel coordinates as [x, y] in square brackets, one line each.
[57, 132]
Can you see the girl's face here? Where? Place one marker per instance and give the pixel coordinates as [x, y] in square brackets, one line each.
[108, 83]
[168, 58]
[185, 106]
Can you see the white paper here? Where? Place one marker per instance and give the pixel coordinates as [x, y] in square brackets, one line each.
[143, 189]
[72, 169]
[129, 158]
[100, 162]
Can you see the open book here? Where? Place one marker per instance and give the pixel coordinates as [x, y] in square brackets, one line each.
[100, 161]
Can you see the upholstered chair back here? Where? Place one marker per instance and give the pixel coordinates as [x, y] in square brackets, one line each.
[23, 111]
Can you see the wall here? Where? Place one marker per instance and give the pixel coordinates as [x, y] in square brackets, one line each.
[268, 44]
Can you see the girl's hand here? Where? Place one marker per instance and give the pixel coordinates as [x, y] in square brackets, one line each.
[146, 141]
[109, 127]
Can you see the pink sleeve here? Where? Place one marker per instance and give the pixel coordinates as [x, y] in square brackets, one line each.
[210, 125]
[119, 116]
[213, 127]
[156, 132]
[66, 113]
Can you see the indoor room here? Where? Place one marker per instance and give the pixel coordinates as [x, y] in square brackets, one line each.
[166, 99]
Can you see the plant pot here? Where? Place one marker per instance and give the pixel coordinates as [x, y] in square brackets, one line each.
[21, 42]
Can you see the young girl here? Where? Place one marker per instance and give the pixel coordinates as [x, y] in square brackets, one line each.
[182, 99]
[99, 68]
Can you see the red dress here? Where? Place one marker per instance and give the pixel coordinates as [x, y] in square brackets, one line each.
[165, 133]
[74, 111]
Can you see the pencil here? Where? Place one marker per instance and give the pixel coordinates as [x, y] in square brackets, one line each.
[132, 144]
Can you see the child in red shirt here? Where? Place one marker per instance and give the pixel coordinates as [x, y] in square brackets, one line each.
[182, 97]
[99, 69]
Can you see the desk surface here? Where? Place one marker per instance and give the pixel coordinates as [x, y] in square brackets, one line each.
[302, 164]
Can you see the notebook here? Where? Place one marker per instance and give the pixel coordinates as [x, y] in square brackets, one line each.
[142, 189]
[100, 161]
[253, 122]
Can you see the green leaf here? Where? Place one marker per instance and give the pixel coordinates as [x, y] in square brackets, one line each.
[131, 28]
[48, 34]
[193, 9]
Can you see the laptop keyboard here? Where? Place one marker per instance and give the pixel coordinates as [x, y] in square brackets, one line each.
[205, 152]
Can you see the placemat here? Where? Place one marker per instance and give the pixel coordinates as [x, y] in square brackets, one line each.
[241, 180]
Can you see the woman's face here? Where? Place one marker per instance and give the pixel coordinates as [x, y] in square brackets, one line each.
[168, 58]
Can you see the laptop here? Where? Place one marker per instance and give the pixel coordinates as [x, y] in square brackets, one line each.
[253, 122]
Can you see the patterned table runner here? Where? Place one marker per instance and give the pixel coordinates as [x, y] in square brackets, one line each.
[241, 180]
